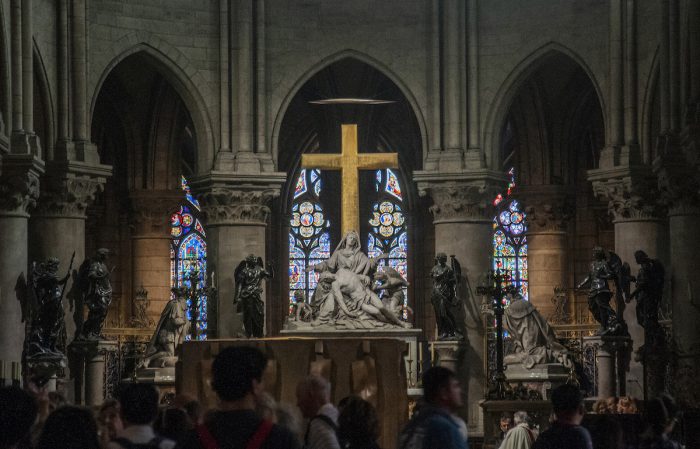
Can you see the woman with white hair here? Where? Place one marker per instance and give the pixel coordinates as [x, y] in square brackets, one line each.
[520, 436]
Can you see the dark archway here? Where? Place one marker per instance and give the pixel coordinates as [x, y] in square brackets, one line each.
[142, 128]
[311, 128]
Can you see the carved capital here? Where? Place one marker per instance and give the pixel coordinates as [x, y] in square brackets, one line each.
[458, 198]
[224, 205]
[548, 208]
[236, 198]
[68, 196]
[19, 184]
[150, 212]
[632, 193]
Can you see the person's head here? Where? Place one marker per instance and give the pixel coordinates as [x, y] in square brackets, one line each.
[51, 265]
[325, 281]
[352, 239]
[109, 418]
[441, 258]
[138, 404]
[237, 373]
[662, 414]
[506, 422]
[611, 403]
[69, 427]
[598, 253]
[441, 388]
[313, 393]
[102, 254]
[567, 403]
[251, 260]
[18, 412]
[600, 407]
[172, 423]
[627, 405]
[358, 424]
[640, 256]
[521, 417]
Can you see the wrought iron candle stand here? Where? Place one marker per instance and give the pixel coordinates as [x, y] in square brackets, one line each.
[493, 288]
[193, 292]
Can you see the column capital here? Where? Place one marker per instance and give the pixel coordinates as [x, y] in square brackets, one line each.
[235, 199]
[150, 211]
[631, 192]
[548, 207]
[68, 188]
[460, 197]
[19, 184]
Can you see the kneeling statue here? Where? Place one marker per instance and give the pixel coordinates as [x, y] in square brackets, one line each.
[171, 331]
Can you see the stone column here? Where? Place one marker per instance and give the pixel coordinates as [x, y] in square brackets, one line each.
[679, 183]
[548, 210]
[57, 226]
[633, 202]
[150, 244]
[463, 227]
[236, 210]
[19, 190]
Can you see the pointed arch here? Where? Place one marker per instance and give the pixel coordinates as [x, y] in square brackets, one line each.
[328, 61]
[46, 100]
[180, 74]
[511, 85]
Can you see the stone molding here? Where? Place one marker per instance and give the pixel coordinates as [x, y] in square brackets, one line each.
[69, 194]
[631, 192]
[230, 199]
[460, 197]
[19, 184]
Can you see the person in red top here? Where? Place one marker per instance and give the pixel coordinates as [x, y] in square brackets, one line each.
[237, 380]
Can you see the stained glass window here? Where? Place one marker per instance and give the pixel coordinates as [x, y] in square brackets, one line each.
[188, 257]
[388, 232]
[309, 238]
[509, 240]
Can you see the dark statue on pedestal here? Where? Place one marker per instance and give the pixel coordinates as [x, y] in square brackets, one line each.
[170, 332]
[606, 267]
[41, 298]
[649, 289]
[444, 296]
[94, 290]
[249, 276]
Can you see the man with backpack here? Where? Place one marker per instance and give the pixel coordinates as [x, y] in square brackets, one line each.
[314, 401]
[237, 380]
[138, 409]
[433, 426]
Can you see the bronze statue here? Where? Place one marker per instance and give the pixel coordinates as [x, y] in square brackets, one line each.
[94, 290]
[606, 267]
[649, 289]
[170, 332]
[444, 296]
[41, 298]
[249, 276]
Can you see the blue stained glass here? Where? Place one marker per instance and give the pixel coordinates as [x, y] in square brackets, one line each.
[509, 242]
[186, 188]
[317, 188]
[392, 184]
[300, 187]
[314, 175]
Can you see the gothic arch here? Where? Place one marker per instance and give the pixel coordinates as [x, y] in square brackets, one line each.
[184, 78]
[510, 87]
[328, 61]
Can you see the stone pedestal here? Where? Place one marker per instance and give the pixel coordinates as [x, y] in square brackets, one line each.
[90, 369]
[447, 353]
[542, 378]
[611, 354]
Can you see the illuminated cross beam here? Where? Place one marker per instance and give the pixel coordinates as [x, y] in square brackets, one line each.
[350, 162]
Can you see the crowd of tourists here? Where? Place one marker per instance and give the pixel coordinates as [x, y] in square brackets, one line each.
[247, 417]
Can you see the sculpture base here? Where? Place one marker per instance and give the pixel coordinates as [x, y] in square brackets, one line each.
[157, 376]
[90, 373]
[542, 378]
[612, 354]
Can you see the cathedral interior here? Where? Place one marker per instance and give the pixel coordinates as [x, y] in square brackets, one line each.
[525, 134]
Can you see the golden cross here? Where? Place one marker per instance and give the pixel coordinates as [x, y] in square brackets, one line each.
[350, 162]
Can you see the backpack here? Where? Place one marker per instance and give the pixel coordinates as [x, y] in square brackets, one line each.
[207, 440]
[329, 422]
[126, 444]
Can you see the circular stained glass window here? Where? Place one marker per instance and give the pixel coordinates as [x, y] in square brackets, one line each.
[307, 219]
[318, 219]
[505, 218]
[386, 219]
[517, 228]
[516, 217]
[176, 231]
[306, 208]
[386, 207]
[398, 219]
[187, 220]
[306, 231]
[175, 219]
[386, 231]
